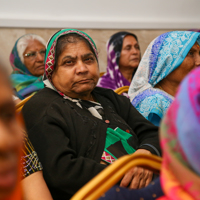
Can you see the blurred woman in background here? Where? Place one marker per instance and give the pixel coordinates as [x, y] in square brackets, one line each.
[179, 136]
[167, 60]
[18, 160]
[27, 60]
[123, 57]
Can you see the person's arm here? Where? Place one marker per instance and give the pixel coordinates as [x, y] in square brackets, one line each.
[146, 132]
[35, 188]
[148, 139]
[64, 171]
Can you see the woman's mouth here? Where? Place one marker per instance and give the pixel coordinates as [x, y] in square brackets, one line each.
[40, 67]
[8, 178]
[84, 81]
[135, 59]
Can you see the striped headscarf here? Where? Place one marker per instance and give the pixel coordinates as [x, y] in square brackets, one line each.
[50, 57]
[180, 136]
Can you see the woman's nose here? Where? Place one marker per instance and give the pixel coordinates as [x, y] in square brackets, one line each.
[197, 61]
[81, 67]
[134, 50]
[39, 57]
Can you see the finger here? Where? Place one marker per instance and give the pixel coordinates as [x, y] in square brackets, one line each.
[144, 179]
[128, 177]
[149, 179]
[137, 178]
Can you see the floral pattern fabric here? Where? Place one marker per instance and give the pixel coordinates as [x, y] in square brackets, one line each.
[163, 55]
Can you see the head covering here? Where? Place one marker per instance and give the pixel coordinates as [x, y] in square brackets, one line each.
[23, 81]
[180, 136]
[163, 55]
[50, 56]
[114, 79]
[194, 30]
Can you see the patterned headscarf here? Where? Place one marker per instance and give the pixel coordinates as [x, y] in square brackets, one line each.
[163, 55]
[23, 81]
[50, 57]
[180, 136]
[114, 79]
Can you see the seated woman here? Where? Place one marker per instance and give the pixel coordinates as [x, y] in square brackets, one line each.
[180, 172]
[167, 60]
[123, 57]
[33, 184]
[76, 128]
[27, 60]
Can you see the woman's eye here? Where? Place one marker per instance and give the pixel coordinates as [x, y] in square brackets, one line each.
[68, 62]
[190, 53]
[137, 47]
[128, 48]
[32, 54]
[89, 59]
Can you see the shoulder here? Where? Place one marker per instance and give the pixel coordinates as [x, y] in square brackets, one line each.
[40, 106]
[155, 104]
[42, 99]
[118, 101]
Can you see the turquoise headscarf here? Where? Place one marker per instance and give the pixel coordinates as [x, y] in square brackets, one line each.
[23, 81]
[163, 55]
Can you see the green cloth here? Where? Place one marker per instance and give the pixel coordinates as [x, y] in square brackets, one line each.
[113, 136]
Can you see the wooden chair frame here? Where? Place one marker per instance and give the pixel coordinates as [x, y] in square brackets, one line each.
[122, 90]
[20, 105]
[113, 173]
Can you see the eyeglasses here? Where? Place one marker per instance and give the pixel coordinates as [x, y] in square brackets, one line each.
[33, 55]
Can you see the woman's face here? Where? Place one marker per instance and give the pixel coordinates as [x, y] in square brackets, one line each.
[191, 61]
[9, 141]
[34, 57]
[77, 71]
[130, 53]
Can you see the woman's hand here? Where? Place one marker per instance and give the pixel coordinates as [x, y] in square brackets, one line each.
[137, 177]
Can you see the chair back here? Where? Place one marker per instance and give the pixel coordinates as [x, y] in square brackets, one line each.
[102, 73]
[114, 172]
[20, 105]
[122, 90]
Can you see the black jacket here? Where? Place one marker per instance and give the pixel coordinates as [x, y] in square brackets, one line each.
[70, 140]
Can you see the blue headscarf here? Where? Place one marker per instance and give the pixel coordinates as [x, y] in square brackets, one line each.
[163, 55]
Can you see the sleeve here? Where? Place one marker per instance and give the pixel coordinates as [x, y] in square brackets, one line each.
[29, 159]
[64, 170]
[146, 132]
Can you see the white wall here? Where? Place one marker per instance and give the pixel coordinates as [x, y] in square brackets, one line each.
[101, 14]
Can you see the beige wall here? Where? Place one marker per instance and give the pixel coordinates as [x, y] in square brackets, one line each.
[8, 36]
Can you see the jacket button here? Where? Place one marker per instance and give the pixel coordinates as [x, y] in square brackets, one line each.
[107, 121]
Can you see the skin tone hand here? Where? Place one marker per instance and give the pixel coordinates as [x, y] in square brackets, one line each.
[137, 177]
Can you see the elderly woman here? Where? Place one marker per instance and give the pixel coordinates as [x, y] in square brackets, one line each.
[180, 172]
[78, 129]
[167, 60]
[123, 57]
[27, 60]
[33, 184]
